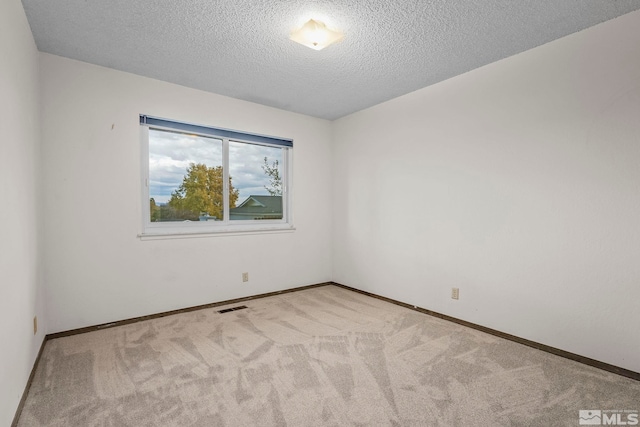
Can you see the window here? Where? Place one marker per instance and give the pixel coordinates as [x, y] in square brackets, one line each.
[198, 179]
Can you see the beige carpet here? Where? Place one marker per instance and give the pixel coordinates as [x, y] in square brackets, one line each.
[324, 356]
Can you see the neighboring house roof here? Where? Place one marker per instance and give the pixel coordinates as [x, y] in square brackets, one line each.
[262, 205]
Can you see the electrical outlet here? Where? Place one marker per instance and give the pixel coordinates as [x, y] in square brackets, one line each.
[455, 293]
[35, 325]
[245, 277]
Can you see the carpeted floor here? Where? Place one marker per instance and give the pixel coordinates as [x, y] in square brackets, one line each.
[323, 356]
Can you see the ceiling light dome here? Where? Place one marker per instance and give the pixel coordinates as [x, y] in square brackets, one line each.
[316, 35]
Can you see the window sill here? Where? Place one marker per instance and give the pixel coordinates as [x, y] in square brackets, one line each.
[167, 235]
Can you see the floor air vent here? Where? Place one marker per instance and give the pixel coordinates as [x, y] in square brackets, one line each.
[227, 310]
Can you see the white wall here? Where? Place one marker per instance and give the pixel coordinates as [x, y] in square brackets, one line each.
[519, 183]
[97, 269]
[21, 294]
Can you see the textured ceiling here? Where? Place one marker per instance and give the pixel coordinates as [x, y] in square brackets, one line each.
[240, 48]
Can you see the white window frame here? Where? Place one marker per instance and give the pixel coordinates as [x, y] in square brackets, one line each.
[226, 226]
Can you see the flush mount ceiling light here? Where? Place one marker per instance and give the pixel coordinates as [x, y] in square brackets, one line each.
[316, 35]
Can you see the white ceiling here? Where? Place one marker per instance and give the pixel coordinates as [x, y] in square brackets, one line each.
[240, 48]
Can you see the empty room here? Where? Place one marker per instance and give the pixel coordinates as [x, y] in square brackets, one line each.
[301, 213]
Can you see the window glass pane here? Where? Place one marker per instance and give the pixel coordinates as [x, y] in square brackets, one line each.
[185, 177]
[256, 173]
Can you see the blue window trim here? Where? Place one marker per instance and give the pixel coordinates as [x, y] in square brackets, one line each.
[215, 132]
